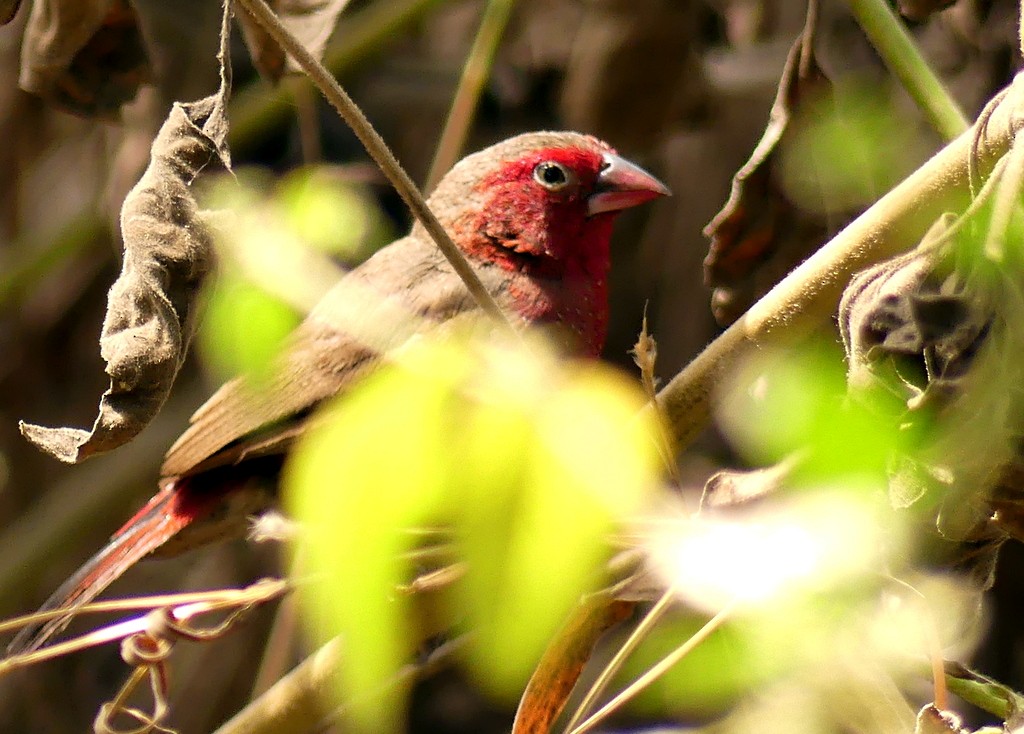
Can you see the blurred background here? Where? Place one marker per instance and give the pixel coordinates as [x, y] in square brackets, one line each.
[684, 87]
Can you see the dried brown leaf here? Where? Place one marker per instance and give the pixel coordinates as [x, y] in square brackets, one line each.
[562, 663]
[760, 234]
[311, 21]
[85, 56]
[933, 720]
[168, 250]
[736, 488]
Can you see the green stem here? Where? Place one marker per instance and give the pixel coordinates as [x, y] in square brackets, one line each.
[808, 295]
[474, 74]
[890, 38]
[985, 693]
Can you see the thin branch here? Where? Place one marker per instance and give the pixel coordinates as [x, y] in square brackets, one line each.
[474, 73]
[295, 704]
[377, 149]
[662, 667]
[213, 601]
[807, 38]
[615, 664]
[899, 52]
[809, 295]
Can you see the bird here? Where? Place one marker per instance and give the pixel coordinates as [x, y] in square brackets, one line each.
[532, 214]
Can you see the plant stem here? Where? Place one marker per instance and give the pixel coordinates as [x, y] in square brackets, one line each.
[295, 704]
[662, 667]
[892, 42]
[615, 664]
[467, 95]
[809, 294]
[378, 150]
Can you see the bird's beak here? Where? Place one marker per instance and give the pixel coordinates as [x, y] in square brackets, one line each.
[620, 185]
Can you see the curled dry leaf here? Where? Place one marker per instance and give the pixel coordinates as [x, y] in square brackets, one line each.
[85, 56]
[943, 330]
[311, 21]
[760, 233]
[562, 663]
[150, 307]
[736, 488]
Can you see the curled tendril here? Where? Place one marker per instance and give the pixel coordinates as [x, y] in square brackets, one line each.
[163, 624]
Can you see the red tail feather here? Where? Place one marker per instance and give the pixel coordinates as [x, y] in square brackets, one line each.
[160, 520]
[185, 513]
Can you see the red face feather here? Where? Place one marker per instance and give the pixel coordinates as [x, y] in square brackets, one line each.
[549, 226]
[534, 218]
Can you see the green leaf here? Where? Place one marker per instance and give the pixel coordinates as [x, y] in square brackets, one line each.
[243, 328]
[331, 215]
[789, 400]
[531, 460]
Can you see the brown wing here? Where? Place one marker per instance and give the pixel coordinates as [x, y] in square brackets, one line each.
[404, 289]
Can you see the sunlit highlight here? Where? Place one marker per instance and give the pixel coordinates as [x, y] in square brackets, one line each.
[766, 554]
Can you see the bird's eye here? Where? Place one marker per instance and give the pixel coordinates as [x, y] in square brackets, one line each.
[552, 176]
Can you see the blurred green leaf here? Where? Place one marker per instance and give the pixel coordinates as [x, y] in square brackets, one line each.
[532, 460]
[788, 400]
[330, 215]
[849, 149]
[271, 242]
[243, 328]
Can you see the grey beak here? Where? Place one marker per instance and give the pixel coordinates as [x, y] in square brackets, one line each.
[621, 185]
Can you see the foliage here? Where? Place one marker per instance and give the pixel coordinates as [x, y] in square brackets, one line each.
[529, 460]
[481, 485]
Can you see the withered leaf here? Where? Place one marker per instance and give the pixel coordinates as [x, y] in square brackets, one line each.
[737, 488]
[933, 720]
[150, 307]
[942, 330]
[311, 21]
[760, 234]
[87, 57]
[562, 663]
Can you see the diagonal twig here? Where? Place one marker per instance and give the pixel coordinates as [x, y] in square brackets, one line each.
[377, 149]
[809, 295]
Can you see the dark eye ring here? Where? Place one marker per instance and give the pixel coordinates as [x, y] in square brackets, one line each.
[552, 176]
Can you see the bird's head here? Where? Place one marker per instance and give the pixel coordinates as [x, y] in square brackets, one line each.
[541, 202]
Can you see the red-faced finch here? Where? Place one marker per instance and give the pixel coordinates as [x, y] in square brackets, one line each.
[532, 214]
